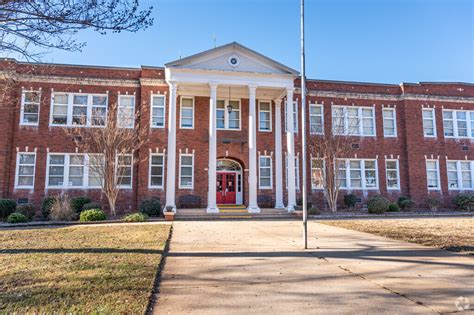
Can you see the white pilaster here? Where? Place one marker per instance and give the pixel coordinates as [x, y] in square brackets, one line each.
[211, 195]
[278, 160]
[171, 161]
[290, 151]
[253, 206]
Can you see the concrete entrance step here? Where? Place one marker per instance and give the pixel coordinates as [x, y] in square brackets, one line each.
[233, 213]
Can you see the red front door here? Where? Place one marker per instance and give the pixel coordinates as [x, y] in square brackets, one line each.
[226, 188]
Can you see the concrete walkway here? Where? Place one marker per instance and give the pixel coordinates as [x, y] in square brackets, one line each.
[242, 267]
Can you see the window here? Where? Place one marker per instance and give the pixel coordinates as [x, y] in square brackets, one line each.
[316, 119]
[432, 174]
[264, 116]
[460, 175]
[126, 111]
[265, 172]
[353, 121]
[65, 170]
[30, 105]
[124, 170]
[76, 109]
[458, 123]
[297, 173]
[226, 120]
[186, 171]
[392, 174]
[389, 122]
[357, 174]
[157, 170]
[295, 117]
[429, 122]
[317, 173]
[187, 113]
[157, 111]
[25, 170]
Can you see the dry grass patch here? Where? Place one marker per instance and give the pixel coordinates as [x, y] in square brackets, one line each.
[80, 269]
[455, 234]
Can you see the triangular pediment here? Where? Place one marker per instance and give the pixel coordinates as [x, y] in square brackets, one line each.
[232, 57]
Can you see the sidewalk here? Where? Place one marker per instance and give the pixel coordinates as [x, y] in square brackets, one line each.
[237, 267]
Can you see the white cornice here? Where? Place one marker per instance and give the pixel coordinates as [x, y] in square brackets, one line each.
[152, 82]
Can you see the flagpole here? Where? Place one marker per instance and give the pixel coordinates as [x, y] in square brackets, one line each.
[303, 131]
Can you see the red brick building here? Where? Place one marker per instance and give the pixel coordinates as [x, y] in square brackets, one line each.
[219, 130]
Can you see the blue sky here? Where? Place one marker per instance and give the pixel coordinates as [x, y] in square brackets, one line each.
[388, 41]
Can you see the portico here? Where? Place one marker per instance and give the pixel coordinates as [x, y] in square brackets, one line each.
[227, 75]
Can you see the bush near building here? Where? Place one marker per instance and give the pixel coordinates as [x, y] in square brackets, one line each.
[7, 207]
[92, 215]
[377, 204]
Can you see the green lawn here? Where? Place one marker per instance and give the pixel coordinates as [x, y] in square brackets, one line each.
[80, 269]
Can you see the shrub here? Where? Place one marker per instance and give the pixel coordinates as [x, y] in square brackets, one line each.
[464, 201]
[7, 207]
[61, 209]
[433, 203]
[151, 207]
[78, 202]
[16, 217]
[377, 204]
[46, 206]
[136, 217]
[27, 209]
[92, 215]
[314, 210]
[350, 200]
[393, 207]
[91, 205]
[407, 204]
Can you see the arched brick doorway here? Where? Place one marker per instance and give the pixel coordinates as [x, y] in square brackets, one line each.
[229, 175]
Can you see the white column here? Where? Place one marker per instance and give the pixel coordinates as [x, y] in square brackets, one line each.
[171, 160]
[211, 191]
[253, 206]
[278, 161]
[290, 151]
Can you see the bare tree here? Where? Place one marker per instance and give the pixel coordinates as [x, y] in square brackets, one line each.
[111, 144]
[26, 25]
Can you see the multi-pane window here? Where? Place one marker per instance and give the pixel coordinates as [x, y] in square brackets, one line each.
[297, 173]
[432, 174]
[392, 174]
[458, 123]
[295, 116]
[187, 113]
[264, 116]
[429, 122]
[30, 106]
[316, 119]
[186, 171]
[228, 114]
[357, 174]
[25, 170]
[124, 170]
[317, 173]
[126, 111]
[65, 170]
[354, 121]
[460, 175]
[265, 172]
[157, 170]
[389, 122]
[76, 109]
[157, 111]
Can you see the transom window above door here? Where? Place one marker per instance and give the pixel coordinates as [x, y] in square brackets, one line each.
[228, 114]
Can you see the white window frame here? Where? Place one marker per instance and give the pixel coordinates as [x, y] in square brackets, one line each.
[192, 171]
[360, 118]
[397, 168]
[131, 170]
[394, 111]
[70, 98]
[227, 115]
[149, 171]
[297, 172]
[269, 111]
[22, 109]
[323, 173]
[459, 172]
[66, 165]
[17, 171]
[432, 110]
[181, 112]
[260, 186]
[362, 171]
[295, 116]
[437, 174]
[469, 124]
[153, 107]
[311, 116]
[120, 122]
